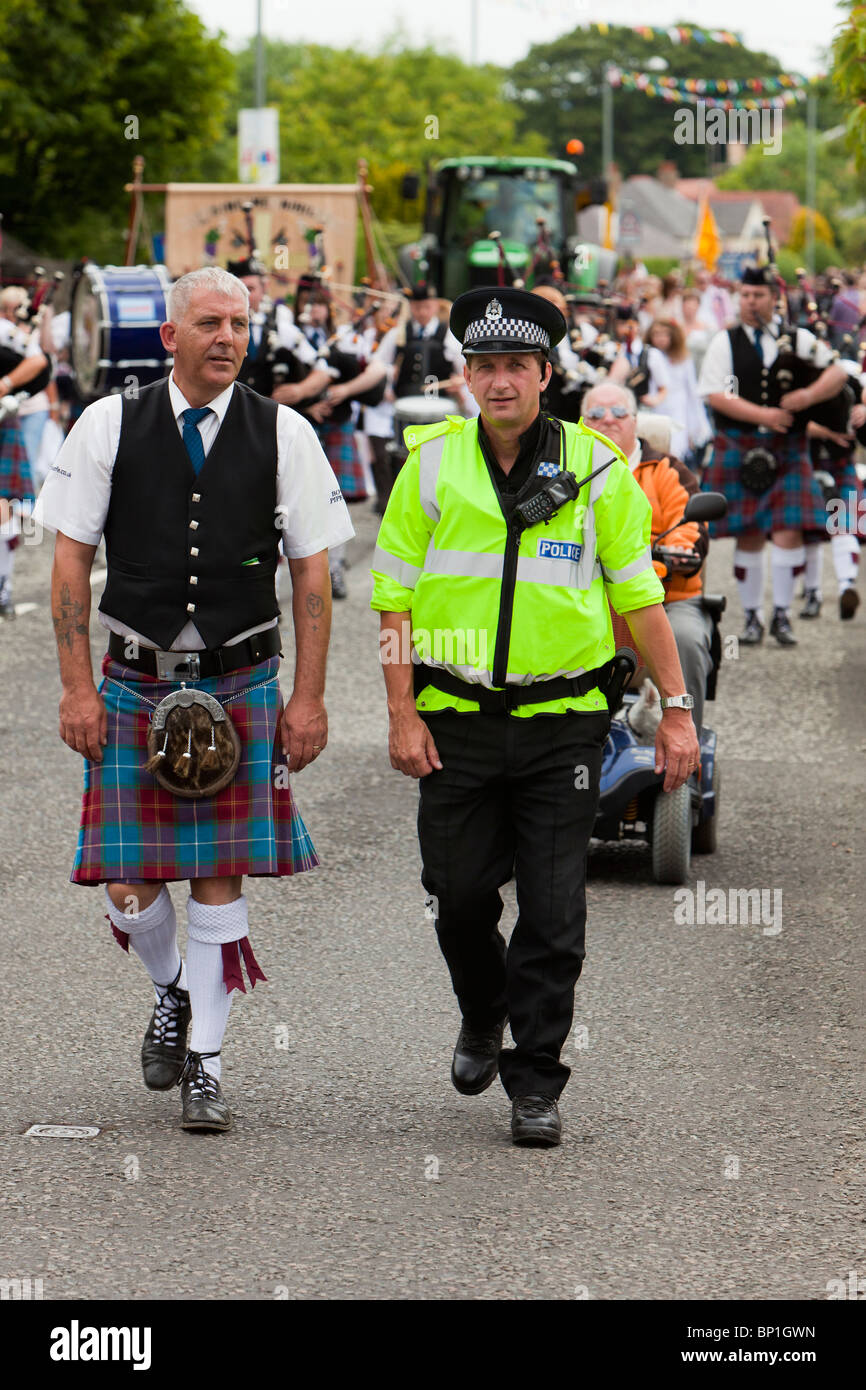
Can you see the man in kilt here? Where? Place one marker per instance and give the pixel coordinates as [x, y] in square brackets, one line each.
[832, 453]
[735, 381]
[16, 491]
[190, 483]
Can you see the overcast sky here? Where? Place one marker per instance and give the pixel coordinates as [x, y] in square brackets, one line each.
[796, 31]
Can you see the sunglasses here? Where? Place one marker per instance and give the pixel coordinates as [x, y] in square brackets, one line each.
[598, 412]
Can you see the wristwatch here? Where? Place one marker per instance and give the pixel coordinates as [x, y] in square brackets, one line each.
[678, 702]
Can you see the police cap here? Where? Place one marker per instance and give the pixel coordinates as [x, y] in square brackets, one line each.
[502, 319]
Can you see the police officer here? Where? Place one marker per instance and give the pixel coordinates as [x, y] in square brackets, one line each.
[505, 722]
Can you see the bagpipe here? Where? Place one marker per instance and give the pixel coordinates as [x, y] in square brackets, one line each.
[793, 372]
[10, 359]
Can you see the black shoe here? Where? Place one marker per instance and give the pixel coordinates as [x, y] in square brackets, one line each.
[849, 602]
[204, 1106]
[780, 628]
[338, 584]
[476, 1059]
[812, 607]
[163, 1051]
[7, 607]
[535, 1120]
[753, 632]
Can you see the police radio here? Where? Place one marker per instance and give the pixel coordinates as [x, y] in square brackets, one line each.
[553, 493]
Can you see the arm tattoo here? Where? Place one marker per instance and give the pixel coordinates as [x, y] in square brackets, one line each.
[315, 608]
[67, 619]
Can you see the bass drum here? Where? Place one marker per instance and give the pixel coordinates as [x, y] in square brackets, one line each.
[415, 410]
[116, 316]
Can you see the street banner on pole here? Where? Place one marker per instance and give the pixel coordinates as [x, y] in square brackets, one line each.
[259, 145]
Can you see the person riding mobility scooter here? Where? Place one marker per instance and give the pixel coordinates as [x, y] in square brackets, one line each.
[633, 804]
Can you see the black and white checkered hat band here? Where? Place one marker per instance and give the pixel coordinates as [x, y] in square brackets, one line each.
[530, 335]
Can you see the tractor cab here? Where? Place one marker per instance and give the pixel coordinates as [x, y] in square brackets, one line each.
[531, 203]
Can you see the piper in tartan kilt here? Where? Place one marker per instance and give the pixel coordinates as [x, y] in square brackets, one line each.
[16, 487]
[190, 606]
[833, 458]
[735, 383]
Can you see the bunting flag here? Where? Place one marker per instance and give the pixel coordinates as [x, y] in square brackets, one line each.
[678, 33]
[708, 243]
[696, 89]
[783, 81]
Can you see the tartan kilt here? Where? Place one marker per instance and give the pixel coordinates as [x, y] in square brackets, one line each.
[338, 442]
[795, 501]
[16, 481]
[844, 520]
[132, 829]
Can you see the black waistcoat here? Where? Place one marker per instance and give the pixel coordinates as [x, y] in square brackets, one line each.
[422, 358]
[750, 373]
[176, 543]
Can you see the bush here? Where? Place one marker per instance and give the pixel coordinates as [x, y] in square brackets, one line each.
[660, 265]
[854, 241]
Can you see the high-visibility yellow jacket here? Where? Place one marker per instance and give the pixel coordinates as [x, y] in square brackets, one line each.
[492, 605]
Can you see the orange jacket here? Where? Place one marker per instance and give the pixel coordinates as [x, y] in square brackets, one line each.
[660, 481]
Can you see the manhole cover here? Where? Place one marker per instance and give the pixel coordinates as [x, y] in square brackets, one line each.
[61, 1132]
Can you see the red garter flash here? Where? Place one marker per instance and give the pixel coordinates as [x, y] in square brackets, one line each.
[233, 977]
[121, 937]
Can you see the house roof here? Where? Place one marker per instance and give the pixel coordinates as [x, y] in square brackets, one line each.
[661, 208]
[780, 205]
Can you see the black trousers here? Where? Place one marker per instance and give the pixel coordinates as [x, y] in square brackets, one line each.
[515, 797]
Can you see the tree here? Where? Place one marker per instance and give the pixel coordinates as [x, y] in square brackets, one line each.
[849, 77]
[397, 109]
[84, 87]
[837, 185]
[558, 87]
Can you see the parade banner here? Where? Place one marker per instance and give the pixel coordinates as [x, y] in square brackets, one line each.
[205, 225]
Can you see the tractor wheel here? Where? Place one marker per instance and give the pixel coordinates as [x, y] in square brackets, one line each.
[706, 833]
[672, 835]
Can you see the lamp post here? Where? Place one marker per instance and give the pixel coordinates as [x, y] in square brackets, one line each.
[260, 58]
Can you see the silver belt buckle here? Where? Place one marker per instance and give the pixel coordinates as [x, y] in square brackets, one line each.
[178, 666]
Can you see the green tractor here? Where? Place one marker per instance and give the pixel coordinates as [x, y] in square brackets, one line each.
[529, 205]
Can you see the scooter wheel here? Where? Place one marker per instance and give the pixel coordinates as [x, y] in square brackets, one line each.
[672, 835]
[706, 833]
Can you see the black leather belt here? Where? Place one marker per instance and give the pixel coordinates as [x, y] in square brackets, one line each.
[501, 701]
[194, 666]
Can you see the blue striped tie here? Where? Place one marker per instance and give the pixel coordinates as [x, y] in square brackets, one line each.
[192, 437]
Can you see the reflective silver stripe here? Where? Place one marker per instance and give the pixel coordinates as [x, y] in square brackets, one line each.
[399, 570]
[463, 564]
[430, 457]
[600, 454]
[588, 566]
[643, 562]
[565, 573]
[473, 676]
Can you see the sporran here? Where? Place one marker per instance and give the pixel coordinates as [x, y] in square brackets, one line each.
[193, 746]
[759, 469]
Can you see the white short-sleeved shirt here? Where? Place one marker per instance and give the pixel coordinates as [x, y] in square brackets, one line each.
[718, 364]
[313, 515]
